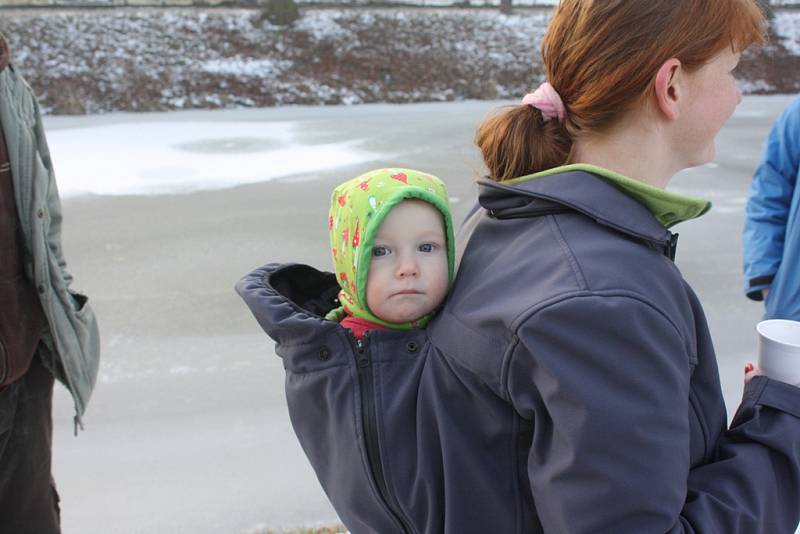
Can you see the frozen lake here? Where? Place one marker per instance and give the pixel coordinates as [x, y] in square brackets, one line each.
[134, 158]
[188, 431]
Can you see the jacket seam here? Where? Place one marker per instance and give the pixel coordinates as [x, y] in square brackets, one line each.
[580, 280]
[515, 455]
[695, 404]
[453, 362]
[526, 315]
[10, 91]
[760, 388]
[499, 343]
[508, 355]
[454, 317]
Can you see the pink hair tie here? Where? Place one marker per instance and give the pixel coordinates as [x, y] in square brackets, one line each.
[546, 100]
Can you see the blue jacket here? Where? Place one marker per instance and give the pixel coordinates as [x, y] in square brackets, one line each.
[569, 385]
[772, 221]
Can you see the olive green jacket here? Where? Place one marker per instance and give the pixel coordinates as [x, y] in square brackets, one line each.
[71, 332]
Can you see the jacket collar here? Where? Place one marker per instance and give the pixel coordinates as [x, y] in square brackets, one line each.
[611, 199]
[668, 208]
[5, 53]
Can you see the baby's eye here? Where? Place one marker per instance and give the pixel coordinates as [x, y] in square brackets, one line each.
[426, 247]
[380, 251]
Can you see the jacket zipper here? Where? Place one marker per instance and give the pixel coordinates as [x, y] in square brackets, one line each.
[369, 423]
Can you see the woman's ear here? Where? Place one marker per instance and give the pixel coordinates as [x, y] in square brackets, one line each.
[667, 88]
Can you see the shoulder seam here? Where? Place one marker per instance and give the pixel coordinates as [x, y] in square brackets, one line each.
[563, 297]
[580, 280]
[558, 299]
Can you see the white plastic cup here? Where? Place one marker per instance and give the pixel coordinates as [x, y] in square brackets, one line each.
[779, 350]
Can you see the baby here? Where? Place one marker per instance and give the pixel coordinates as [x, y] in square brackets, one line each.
[392, 243]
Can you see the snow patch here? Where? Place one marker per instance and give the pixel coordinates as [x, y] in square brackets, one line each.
[787, 26]
[247, 67]
[754, 86]
[183, 157]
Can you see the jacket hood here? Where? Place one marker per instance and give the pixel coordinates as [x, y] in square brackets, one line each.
[290, 301]
[644, 213]
[5, 53]
[358, 207]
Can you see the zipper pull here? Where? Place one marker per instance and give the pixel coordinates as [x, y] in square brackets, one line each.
[672, 247]
[362, 357]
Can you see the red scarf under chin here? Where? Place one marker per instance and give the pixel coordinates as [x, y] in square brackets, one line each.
[360, 326]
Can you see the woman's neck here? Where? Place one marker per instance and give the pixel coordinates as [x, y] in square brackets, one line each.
[633, 150]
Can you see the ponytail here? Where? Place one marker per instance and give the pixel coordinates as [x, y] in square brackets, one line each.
[517, 141]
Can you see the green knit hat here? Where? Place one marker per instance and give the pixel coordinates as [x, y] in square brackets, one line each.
[358, 207]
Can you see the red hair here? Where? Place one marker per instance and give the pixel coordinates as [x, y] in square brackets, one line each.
[602, 57]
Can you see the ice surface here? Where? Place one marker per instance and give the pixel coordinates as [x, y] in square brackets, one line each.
[181, 157]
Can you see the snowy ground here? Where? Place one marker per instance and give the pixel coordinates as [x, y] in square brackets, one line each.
[131, 158]
[188, 431]
[148, 60]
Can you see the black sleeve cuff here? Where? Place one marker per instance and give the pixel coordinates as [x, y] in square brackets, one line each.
[756, 285]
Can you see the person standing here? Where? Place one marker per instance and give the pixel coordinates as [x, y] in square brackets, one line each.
[47, 331]
[772, 222]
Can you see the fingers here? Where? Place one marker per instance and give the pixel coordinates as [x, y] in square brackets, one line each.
[750, 371]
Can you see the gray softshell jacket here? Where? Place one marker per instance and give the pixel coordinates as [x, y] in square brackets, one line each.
[569, 385]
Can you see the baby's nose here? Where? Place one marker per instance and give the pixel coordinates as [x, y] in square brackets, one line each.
[407, 267]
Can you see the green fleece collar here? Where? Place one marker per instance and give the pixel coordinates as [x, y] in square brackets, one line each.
[668, 208]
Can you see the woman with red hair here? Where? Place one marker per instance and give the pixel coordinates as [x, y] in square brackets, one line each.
[568, 311]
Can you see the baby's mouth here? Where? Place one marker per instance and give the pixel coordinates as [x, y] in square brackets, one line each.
[409, 292]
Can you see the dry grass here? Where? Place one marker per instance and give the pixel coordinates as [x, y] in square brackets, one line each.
[338, 529]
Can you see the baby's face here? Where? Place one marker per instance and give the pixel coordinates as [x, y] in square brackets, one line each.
[408, 273]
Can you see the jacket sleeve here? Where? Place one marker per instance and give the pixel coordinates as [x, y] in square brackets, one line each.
[610, 450]
[769, 202]
[263, 301]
